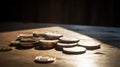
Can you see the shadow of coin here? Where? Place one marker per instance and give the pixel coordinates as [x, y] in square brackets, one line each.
[13, 45]
[93, 48]
[58, 49]
[72, 53]
[5, 50]
[42, 48]
[24, 48]
[47, 62]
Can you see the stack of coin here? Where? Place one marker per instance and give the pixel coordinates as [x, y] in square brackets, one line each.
[24, 41]
[47, 44]
[15, 43]
[27, 42]
[51, 39]
[66, 42]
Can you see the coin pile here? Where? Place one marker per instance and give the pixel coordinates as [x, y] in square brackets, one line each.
[48, 40]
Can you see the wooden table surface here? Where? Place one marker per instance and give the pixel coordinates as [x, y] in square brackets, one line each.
[107, 56]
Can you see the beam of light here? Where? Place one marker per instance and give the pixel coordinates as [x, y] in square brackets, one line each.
[85, 63]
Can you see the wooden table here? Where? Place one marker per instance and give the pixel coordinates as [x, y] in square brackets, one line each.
[107, 56]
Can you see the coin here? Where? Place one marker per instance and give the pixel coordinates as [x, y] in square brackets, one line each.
[39, 34]
[60, 46]
[24, 36]
[68, 39]
[5, 48]
[74, 50]
[27, 40]
[47, 43]
[45, 59]
[89, 44]
[26, 44]
[52, 35]
[15, 42]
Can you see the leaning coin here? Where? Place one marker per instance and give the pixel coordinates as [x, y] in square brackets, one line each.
[89, 44]
[45, 59]
[74, 50]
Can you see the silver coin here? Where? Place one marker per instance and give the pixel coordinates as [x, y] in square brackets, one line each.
[68, 39]
[74, 50]
[89, 44]
[52, 35]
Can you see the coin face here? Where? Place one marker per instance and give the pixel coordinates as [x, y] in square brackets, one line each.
[89, 44]
[68, 39]
[52, 35]
[5, 48]
[74, 50]
[45, 59]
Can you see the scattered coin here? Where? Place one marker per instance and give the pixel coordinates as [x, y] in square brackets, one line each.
[89, 44]
[45, 59]
[5, 48]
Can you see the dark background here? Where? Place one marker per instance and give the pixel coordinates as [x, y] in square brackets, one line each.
[81, 12]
